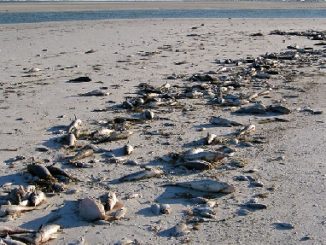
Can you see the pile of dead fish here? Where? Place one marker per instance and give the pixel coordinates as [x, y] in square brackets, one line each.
[230, 87]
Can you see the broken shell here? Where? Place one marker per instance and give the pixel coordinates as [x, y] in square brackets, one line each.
[91, 209]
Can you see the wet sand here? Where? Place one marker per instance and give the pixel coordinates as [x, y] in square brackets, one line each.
[286, 169]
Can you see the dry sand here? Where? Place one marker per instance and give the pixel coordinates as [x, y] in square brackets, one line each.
[34, 108]
[80, 6]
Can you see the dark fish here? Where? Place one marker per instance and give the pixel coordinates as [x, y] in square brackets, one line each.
[40, 171]
[80, 80]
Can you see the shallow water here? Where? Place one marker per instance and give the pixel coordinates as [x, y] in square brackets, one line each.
[34, 17]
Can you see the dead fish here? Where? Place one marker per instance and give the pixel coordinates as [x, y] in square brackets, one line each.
[40, 171]
[202, 154]
[283, 226]
[7, 230]
[71, 140]
[14, 209]
[207, 185]
[34, 69]
[9, 241]
[247, 130]
[117, 215]
[210, 138]
[96, 92]
[82, 164]
[111, 201]
[102, 132]
[128, 149]
[255, 206]
[91, 209]
[165, 209]
[114, 136]
[144, 174]
[257, 108]
[181, 229]
[196, 164]
[82, 154]
[46, 233]
[161, 209]
[80, 80]
[148, 115]
[205, 212]
[36, 198]
[279, 109]
[156, 209]
[223, 122]
[74, 126]
[58, 171]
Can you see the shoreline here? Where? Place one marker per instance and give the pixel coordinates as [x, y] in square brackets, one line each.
[93, 6]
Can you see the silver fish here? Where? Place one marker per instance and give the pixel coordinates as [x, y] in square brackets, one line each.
[82, 154]
[247, 130]
[71, 140]
[14, 209]
[208, 185]
[96, 92]
[7, 230]
[144, 174]
[202, 154]
[9, 241]
[46, 233]
[223, 122]
[196, 164]
[205, 212]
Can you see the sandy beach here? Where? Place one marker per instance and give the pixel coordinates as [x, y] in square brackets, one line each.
[83, 6]
[276, 169]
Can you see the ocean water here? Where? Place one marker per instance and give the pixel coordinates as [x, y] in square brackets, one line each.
[34, 17]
